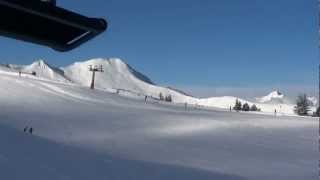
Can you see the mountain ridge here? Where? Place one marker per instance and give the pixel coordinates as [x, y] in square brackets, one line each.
[119, 75]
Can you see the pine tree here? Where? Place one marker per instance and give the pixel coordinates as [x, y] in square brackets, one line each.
[161, 97]
[245, 107]
[302, 105]
[253, 108]
[169, 98]
[238, 105]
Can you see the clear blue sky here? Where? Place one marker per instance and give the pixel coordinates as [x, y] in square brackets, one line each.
[202, 44]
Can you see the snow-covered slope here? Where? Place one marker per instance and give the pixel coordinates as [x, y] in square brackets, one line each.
[118, 75]
[226, 102]
[44, 70]
[40, 68]
[82, 134]
[222, 102]
[23, 156]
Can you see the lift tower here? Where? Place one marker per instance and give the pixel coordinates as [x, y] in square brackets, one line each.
[94, 69]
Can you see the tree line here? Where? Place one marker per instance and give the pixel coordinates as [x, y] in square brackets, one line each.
[167, 98]
[302, 107]
[245, 107]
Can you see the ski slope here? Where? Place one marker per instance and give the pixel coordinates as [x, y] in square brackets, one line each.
[119, 76]
[86, 134]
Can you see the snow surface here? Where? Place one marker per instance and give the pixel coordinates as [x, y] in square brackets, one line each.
[95, 134]
[40, 67]
[119, 76]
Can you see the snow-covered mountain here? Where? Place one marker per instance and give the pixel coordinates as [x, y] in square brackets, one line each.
[40, 68]
[118, 75]
[273, 97]
[44, 70]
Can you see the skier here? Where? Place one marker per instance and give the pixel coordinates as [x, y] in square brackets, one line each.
[25, 129]
[230, 109]
[275, 112]
[145, 98]
[19, 73]
[31, 130]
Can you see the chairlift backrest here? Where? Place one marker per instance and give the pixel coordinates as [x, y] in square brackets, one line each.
[42, 22]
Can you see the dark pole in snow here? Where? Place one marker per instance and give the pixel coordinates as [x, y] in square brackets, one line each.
[92, 81]
[94, 69]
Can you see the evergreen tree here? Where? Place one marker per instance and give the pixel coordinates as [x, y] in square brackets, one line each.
[237, 105]
[302, 105]
[245, 107]
[169, 98]
[254, 108]
[161, 97]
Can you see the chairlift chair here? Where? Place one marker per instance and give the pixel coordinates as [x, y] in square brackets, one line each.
[42, 22]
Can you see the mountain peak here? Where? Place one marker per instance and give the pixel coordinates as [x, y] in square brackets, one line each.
[271, 97]
[104, 60]
[117, 61]
[117, 74]
[275, 93]
[43, 70]
[40, 62]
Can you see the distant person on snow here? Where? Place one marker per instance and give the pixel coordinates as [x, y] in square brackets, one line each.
[25, 129]
[145, 98]
[31, 130]
[275, 112]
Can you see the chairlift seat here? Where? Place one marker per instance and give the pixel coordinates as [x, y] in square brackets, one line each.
[44, 23]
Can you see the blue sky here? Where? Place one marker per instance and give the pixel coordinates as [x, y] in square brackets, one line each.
[200, 46]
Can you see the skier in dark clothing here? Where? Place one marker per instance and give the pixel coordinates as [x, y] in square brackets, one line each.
[145, 98]
[31, 130]
[25, 129]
